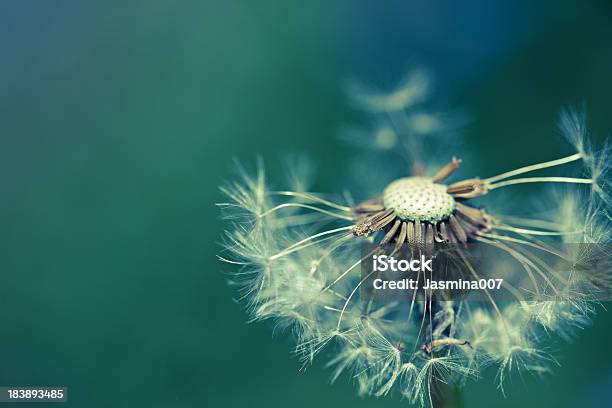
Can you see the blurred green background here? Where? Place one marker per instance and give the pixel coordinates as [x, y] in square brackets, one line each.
[119, 120]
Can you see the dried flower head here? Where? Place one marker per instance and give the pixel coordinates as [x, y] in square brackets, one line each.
[299, 258]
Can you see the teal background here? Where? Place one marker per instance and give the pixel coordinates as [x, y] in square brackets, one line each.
[119, 120]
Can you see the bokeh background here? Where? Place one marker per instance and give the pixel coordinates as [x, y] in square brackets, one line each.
[119, 120]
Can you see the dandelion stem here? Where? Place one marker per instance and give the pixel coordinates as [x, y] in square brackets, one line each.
[534, 167]
[539, 180]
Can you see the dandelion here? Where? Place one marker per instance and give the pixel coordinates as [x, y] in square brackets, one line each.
[299, 259]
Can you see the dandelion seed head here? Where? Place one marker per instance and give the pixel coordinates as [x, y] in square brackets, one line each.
[418, 199]
[298, 258]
